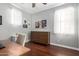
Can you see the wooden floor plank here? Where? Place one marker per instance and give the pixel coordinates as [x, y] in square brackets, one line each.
[50, 50]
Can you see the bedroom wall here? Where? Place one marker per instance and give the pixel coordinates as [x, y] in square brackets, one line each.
[65, 40]
[78, 24]
[7, 29]
[38, 17]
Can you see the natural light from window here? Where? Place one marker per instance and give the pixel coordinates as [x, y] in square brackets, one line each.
[64, 21]
[16, 17]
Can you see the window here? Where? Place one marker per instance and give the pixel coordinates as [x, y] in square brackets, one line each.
[16, 17]
[64, 21]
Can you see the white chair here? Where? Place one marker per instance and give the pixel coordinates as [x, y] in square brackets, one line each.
[21, 39]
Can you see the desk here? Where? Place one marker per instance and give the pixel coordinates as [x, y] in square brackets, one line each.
[13, 49]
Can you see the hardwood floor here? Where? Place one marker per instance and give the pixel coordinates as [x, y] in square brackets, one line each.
[50, 50]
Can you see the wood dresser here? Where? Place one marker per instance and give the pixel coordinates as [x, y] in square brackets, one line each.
[40, 37]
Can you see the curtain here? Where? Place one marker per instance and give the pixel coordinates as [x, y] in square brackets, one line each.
[64, 21]
[16, 17]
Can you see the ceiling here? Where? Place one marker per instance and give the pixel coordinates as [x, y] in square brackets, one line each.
[27, 7]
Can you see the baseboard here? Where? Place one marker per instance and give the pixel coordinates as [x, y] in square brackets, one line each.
[65, 46]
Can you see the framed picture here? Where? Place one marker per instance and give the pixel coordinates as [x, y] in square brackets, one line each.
[25, 24]
[44, 23]
[37, 24]
[0, 20]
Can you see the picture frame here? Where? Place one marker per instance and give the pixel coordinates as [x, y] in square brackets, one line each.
[25, 24]
[44, 23]
[0, 20]
[37, 24]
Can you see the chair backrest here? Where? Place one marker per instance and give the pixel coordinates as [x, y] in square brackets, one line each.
[21, 39]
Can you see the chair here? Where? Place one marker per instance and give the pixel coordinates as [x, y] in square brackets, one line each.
[21, 39]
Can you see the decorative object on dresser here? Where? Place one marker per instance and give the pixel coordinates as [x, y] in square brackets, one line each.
[40, 37]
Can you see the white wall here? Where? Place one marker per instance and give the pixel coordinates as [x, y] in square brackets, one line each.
[7, 29]
[78, 25]
[38, 17]
[67, 40]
